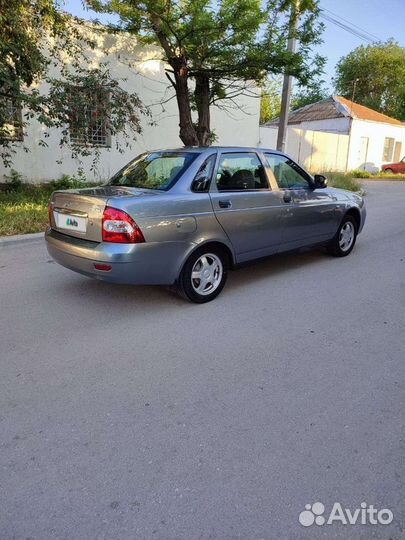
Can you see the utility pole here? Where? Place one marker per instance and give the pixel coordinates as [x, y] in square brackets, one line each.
[355, 81]
[354, 92]
[287, 81]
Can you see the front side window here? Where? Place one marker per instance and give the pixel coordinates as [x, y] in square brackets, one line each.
[158, 170]
[240, 171]
[88, 119]
[287, 173]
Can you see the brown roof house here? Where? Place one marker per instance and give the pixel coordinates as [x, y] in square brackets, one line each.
[337, 133]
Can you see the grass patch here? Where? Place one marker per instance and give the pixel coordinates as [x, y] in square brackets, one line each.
[387, 176]
[352, 180]
[24, 207]
[360, 174]
[342, 181]
[23, 212]
[376, 176]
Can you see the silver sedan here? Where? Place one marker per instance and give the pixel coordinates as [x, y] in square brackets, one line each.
[185, 217]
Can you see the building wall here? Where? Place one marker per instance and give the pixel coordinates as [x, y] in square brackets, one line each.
[317, 151]
[331, 125]
[145, 75]
[367, 144]
[323, 151]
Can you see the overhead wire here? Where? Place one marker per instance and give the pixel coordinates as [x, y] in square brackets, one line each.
[352, 24]
[348, 26]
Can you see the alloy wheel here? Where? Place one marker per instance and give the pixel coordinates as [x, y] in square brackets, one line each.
[206, 274]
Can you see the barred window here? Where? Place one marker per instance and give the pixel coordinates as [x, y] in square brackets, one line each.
[88, 118]
[11, 127]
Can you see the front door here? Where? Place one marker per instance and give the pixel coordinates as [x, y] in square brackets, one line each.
[245, 206]
[309, 215]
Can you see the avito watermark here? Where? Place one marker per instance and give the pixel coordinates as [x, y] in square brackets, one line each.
[365, 515]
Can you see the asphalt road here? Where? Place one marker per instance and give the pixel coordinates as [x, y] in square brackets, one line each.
[129, 414]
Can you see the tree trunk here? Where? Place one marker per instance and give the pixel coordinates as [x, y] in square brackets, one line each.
[179, 64]
[202, 100]
[187, 131]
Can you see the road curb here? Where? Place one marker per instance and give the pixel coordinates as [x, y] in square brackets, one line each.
[20, 239]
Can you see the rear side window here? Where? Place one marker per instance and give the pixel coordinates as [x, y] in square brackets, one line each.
[240, 171]
[287, 173]
[158, 170]
[202, 180]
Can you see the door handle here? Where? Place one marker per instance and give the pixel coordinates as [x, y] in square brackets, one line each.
[287, 197]
[225, 204]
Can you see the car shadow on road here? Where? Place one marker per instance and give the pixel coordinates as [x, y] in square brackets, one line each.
[270, 267]
[123, 297]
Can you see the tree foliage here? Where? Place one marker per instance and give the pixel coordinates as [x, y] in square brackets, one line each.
[307, 95]
[378, 72]
[36, 39]
[214, 49]
[270, 103]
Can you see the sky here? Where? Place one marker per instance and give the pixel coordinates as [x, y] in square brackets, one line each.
[381, 18]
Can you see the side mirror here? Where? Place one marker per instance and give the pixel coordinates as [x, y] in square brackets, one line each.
[320, 181]
[200, 184]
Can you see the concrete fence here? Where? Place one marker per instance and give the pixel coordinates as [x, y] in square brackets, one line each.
[315, 150]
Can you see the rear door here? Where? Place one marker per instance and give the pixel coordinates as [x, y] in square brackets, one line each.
[309, 215]
[244, 204]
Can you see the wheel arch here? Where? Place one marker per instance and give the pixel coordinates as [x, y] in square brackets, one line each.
[213, 244]
[218, 245]
[355, 213]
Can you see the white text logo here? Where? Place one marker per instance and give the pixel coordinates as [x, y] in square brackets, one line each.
[365, 515]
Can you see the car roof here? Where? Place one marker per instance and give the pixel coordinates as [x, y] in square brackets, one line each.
[205, 149]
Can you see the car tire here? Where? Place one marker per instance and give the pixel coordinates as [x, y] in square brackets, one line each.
[389, 171]
[203, 275]
[345, 238]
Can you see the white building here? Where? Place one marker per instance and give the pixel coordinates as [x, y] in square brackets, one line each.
[336, 133]
[144, 72]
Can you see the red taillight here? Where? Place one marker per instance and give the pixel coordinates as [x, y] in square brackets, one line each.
[102, 267]
[119, 227]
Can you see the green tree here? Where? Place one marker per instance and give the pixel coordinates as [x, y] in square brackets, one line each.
[270, 103]
[34, 36]
[214, 49]
[316, 91]
[378, 73]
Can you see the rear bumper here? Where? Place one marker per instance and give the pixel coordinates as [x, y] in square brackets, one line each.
[149, 263]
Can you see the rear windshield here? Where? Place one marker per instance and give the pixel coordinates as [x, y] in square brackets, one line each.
[158, 170]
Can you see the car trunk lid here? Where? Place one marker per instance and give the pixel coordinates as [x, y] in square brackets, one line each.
[79, 212]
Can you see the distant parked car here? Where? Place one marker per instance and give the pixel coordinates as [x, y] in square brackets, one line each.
[186, 216]
[394, 167]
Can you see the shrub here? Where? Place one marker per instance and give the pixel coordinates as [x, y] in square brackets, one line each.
[67, 182]
[342, 180]
[14, 181]
[360, 174]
